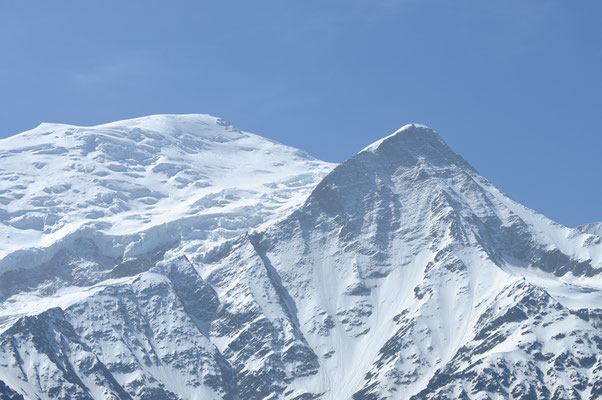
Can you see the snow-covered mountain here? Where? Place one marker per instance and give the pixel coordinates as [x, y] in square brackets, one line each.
[175, 257]
[129, 181]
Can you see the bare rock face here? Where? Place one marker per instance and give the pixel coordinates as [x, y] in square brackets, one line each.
[226, 266]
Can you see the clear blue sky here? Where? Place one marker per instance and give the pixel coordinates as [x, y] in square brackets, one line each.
[514, 86]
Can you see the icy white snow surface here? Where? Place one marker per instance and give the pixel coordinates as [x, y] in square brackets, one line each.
[593, 228]
[404, 274]
[123, 178]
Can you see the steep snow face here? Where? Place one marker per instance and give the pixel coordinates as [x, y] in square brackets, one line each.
[404, 261]
[63, 182]
[138, 337]
[404, 275]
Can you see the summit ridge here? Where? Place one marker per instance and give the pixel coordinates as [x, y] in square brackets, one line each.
[415, 143]
[141, 174]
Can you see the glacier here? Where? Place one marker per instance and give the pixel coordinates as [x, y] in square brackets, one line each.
[178, 257]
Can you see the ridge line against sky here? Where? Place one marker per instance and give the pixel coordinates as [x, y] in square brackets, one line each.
[513, 87]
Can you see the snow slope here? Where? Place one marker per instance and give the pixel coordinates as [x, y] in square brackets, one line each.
[403, 257]
[593, 228]
[59, 182]
[401, 273]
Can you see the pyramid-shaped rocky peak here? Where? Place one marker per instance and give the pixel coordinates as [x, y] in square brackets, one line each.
[411, 144]
[413, 158]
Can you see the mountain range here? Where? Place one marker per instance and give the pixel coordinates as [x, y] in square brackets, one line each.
[178, 257]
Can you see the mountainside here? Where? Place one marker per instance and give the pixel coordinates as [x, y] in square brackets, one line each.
[63, 182]
[593, 228]
[400, 273]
